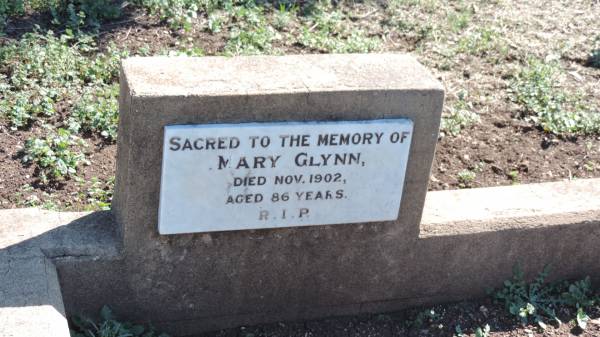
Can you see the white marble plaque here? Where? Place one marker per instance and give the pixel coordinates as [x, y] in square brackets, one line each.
[221, 177]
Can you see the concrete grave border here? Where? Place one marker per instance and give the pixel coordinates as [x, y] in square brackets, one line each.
[472, 238]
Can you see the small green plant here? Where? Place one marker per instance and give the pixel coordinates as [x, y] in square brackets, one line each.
[425, 316]
[327, 30]
[479, 332]
[356, 42]
[100, 193]
[482, 42]
[97, 111]
[582, 319]
[528, 301]
[109, 326]
[553, 109]
[538, 300]
[56, 156]
[45, 203]
[10, 8]
[514, 176]
[251, 42]
[84, 13]
[483, 332]
[466, 178]
[177, 13]
[283, 16]
[252, 34]
[215, 22]
[458, 21]
[50, 205]
[459, 117]
[40, 72]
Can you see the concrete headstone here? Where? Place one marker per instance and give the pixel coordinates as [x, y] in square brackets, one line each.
[238, 268]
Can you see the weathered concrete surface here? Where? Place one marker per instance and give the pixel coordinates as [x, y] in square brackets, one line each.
[246, 272]
[30, 295]
[84, 235]
[292, 274]
[163, 91]
[471, 211]
[30, 299]
[188, 283]
[457, 256]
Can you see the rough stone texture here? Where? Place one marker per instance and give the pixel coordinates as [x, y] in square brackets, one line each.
[161, 91]
[194, 282]
[30, 300]
[296, 270]
[500, 208]
[470, 240]
[85, 235]
[30, 295]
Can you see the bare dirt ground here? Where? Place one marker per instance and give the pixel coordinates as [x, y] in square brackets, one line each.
[439, 321]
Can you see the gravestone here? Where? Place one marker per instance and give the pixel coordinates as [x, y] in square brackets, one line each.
[262, 189]
[255, 189]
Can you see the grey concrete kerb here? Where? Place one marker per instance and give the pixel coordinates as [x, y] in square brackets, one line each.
[471, 237]
[31, 242]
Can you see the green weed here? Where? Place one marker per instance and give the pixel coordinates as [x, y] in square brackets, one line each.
[109, 326]
[538, 300]
[327, 31]
[483, 332]
[57, 156]
[482, 42]
[466, 178]
[427, 316]
[39, 71]
[100, 193]
[215, 23]
[357, 42]
[75, 14]
[514, 176]
[458, 331]
[460, 116]
[252, 34]
[177, 13]
[45, 203]
[459, 20]
[284, 16]
[83, 13]
[547, 105]
[9, 8]
[97, 111]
